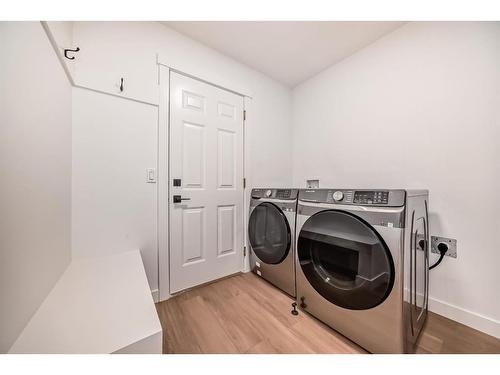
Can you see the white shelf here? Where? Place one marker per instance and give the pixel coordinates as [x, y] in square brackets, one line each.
[99, 305]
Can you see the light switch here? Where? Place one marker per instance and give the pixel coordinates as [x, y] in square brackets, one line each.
[151, 175]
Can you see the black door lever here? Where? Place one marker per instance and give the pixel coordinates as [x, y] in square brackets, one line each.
[179, 199]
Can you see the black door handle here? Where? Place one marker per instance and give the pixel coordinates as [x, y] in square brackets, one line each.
[179, 199]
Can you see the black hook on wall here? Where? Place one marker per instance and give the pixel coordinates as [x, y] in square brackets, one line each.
[70, 50]
[121, 85]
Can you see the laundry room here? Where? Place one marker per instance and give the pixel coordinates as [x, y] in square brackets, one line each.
[202, 183]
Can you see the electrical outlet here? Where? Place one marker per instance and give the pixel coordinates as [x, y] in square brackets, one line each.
[451, 242]
[312, 184]
[420, 242]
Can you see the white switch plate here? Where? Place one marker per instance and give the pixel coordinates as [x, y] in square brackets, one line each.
[151, 175]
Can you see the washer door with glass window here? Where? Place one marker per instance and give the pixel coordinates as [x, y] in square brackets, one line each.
[345, 260]
[269, 233]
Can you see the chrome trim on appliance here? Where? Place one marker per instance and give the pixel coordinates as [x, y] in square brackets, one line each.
[412, 293]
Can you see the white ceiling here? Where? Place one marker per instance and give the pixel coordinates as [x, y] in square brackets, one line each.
[289, 52]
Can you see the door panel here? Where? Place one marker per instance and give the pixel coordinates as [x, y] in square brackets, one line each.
[206, 154]
[225, 109]
[226, 228]
[193, 101]
[193, 155]
[193, 224]
[226, 153]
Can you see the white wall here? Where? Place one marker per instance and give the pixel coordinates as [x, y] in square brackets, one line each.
[35, 170]
[419, 108]
[115, 139]
[62, 32]
[114, 209]
[110, 50]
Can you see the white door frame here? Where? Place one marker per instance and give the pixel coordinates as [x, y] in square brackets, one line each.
[163, 177]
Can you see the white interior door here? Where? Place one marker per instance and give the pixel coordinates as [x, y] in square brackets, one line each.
[206, 171]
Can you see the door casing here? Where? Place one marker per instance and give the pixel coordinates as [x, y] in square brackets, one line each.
[163, 176]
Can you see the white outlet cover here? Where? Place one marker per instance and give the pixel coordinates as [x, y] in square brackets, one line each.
[312, 184]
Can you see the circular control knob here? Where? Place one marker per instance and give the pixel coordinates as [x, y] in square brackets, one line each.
[268, 193]
[338, 195]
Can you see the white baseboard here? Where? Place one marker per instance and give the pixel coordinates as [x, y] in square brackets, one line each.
[246, 263]
[156, 295]
[246, 268]
[477, 321]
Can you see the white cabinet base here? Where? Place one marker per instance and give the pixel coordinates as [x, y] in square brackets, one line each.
[99, 305]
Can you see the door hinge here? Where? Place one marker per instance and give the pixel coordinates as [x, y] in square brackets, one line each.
[244, 115]
[244, 183]
[244, 251]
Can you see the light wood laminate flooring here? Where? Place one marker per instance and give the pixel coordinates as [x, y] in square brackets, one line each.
[245, 314]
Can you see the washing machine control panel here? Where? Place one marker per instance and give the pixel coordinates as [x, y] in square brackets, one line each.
[362, 197]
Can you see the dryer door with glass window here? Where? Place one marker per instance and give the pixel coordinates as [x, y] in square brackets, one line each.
[269, 233]
[345, 260]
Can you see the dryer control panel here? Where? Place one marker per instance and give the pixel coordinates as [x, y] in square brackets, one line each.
[359, 197]
[371, 197]
[284, 194]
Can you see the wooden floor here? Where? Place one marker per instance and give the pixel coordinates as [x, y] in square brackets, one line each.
[245, 314]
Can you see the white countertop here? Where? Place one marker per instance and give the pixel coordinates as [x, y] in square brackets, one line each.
[99, 305]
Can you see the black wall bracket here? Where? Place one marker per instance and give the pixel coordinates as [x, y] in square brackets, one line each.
[70, 50]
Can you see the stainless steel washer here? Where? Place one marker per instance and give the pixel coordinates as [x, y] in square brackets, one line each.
[271, 235]
[362, 264]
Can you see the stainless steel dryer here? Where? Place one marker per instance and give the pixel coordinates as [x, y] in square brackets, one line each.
[271, 235]
[362, 264]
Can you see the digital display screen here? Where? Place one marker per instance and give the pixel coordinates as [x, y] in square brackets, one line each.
[283, 194]
[371, 197]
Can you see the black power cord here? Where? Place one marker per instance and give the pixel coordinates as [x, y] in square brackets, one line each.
[443, 248]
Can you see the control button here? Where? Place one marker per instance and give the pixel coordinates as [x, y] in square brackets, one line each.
[338, 195]
[269, 193]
